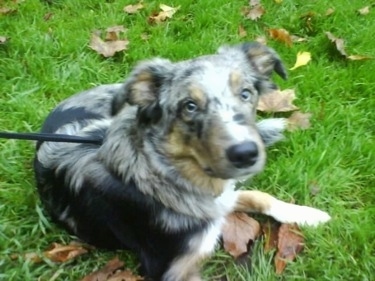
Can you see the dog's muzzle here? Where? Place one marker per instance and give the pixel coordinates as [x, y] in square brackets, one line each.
[243, 155]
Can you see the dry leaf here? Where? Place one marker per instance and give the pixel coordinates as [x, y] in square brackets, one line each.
[125, 275]
[113, 33]
[109, 48]
[106, 272]
[359, 57]
[3, 39]
[253, 3]
[261, 39]
[6, 11]
[256, 12]
[364, 11]
[132, 9]
[242, 32]
[303, 58]
[299, 120]
[238, 230]
[270, 231]
[64, 253]
[277, 101]
[281, 35]
[165, 13]
[297, 39]
[338, 42]
[330, 11]
[290, 243]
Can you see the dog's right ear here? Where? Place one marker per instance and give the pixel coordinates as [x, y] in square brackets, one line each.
[142, 88]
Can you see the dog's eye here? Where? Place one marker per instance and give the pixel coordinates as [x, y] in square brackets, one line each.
[245, 95]
[191, 106]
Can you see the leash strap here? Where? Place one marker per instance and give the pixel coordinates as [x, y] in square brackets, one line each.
[50, 137]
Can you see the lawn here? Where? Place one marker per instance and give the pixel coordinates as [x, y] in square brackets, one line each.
[331, 165]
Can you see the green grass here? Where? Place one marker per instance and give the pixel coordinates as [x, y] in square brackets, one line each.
[44, 62]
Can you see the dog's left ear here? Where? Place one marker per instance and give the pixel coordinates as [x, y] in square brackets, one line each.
[143, 87]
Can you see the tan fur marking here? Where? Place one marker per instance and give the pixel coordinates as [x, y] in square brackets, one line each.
[235, 81]
[142, 90]
[253, 201]
[197, 95]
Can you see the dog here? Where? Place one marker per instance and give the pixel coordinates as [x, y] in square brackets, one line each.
[177, 136]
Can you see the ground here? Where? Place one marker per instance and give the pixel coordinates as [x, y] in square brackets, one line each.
[46, 58]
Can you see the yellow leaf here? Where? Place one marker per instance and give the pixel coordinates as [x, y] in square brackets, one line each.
[302, 59]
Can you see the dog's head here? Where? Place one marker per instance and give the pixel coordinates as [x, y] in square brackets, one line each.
[200, 114]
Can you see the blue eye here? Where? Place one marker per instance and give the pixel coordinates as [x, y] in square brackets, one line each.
[191, 106]
[245, 95]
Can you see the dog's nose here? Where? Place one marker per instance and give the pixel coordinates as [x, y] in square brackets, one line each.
[243, 155]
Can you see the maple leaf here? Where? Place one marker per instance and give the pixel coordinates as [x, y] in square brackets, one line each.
[238, 230]
[277, 101]
[303, 58]
[281, 35]
[299, 120]
[165, 13]
[3, 39]
[255, 12]
[132, 9]
[125, 275]
[241, 31]
[113, 32]
[64, 253]
[106, 272]
[290, 243]
[340, 43]
[270, 232]
[107, 48]
[364, 11]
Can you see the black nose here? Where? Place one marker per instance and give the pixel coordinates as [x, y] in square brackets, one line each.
[243, 155]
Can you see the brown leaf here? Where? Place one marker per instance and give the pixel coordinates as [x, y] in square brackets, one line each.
[241, 31]
[299, 120]
[238, 230]
[340, 43]
[109, 48]
[106, 272]
[165, 13]
[281, 35]
[64, 253]
[270, 231]
[125, 275]
[255, 12]
[364, 11]
[132, 9]
[253, 3]
[113, 33]
[290, 243]
[277, 101]
[3, 39]
[329, 12]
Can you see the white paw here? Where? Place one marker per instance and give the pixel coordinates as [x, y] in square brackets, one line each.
[302, 215]
[271, 130]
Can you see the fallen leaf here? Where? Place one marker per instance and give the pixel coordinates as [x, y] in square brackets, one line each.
[290, 243]
[165, 13]
[299, 120]
[329, 12]
[270, 232]
[64, 253]
[261, 39]
[113, 33]
[107, 48]
[6, 11]
[33, 257]
[340, 43]
[253, 3]
[255, 12]
[241, 31]
[303, 58]
[106, 272]
[125, 275]
[297, 39]
[281, 35]
[132, 9]
[364, 11]
[277, 101]
[359, 57]
[3, 39]
[238, 230]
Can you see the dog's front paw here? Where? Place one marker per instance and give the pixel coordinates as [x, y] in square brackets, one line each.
[302, 215]
[271, 130]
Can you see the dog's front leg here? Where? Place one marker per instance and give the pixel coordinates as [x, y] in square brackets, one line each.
[264, 203]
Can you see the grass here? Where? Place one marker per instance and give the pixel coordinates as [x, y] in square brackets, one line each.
[45, 61]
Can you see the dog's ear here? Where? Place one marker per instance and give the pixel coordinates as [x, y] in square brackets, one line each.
[143, 87]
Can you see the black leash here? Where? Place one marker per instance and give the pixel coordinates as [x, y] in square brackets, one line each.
[50, 137]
